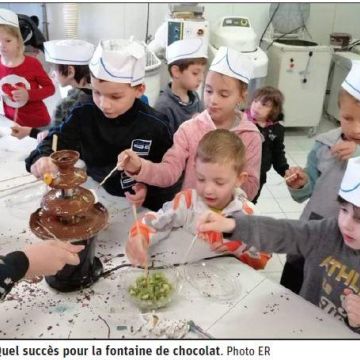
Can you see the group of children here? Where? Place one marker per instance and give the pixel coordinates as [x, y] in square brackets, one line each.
[218, 155]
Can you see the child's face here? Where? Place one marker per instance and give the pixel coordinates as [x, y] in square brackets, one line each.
[61, 79]
[259, 110]
[350, 118]
[9, 45]
[113, 99]
[192, 77]
[221, 96]
[215, 183]
[349, 226]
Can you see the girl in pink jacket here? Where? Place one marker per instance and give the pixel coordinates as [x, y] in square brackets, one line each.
[225, 89]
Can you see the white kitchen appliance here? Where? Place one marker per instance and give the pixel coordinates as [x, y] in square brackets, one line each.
[185, 21]
[237, 33]
[297, 67]
[152, 76]
[340, 68]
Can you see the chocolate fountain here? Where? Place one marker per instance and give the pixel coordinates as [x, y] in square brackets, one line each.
[69, 213]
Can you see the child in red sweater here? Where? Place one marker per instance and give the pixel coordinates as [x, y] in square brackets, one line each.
[24, 83]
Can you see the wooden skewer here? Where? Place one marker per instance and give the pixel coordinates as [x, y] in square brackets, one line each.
[16, 115]
[146, 267]
[287, 178]
[126, 156]
[54, 142]
[133, 207]
[290, 177]
[48, 177]
[189, 249]
[107, 176]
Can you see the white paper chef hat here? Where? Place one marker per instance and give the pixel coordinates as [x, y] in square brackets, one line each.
[186, 49]
[69, 51]
[121, 61]
[350, 184]
[352, 82]
[8, 17]
[233, 63]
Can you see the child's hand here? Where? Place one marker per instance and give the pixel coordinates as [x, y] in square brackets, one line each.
[129, 161]
[42, 135]
[136, 250]
[140, 194]
[20, 131]
[42, 166]
[343, 150]
[211, 221]
[296, 177]
[351, 305]
[20, 94]
[48, 257]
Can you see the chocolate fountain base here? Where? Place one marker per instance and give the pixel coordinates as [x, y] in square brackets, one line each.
[77, 280]
[71, 277]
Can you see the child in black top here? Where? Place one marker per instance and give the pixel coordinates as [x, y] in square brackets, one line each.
[115, 121]
[266, 112]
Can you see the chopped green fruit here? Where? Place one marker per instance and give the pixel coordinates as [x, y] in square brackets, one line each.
[154, 289]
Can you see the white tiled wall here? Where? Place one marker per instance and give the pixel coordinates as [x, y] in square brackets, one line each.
[99, 20]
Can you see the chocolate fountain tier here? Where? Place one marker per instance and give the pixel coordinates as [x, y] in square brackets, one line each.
[69, 180]
[69, 177]
[68, 213]
[46, 226]
[78, 203]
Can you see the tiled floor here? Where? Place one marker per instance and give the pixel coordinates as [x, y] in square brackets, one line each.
[275, 200]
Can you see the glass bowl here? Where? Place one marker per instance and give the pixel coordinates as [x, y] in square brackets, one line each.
[156, 290]
[212, 280]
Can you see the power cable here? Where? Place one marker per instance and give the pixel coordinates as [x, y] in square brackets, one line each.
[147, 36]
[268, 24]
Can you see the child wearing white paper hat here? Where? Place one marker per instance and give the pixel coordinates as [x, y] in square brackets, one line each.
[24, 83]
[70, 59]
[225, 88]
[331, 247]
[326, 163]
[116, 120]
[179, 100]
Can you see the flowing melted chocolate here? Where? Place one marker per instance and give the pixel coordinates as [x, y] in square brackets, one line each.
[68, 211]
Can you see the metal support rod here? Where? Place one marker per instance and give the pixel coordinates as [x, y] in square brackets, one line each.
[45, 21]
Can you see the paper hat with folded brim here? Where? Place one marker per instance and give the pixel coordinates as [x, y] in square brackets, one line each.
[352, 82]
[8, 17]
[121, 61]
[68, 52]
[350, 184]
[233, 63]
[186, 49]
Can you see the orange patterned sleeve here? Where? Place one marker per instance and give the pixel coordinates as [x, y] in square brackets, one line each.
[141, 229]
[250, 256]
[187, 194]
[258, 262]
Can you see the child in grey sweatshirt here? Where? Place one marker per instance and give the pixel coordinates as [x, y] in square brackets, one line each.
[331, 248]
